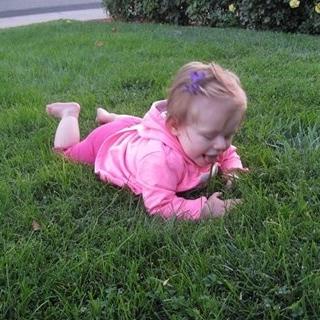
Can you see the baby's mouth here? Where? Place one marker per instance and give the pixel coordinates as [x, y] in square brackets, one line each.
[210, 158]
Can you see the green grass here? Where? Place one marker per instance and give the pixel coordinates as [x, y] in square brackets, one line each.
[98, 254]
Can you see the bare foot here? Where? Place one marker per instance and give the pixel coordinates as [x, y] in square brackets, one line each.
[103, 116]
[62, 109]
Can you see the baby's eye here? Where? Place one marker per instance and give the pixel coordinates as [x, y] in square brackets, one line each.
[208, 137]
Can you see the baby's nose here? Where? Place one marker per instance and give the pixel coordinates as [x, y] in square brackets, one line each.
[220, 144]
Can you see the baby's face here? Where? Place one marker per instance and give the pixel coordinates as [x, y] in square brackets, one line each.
[209, 129]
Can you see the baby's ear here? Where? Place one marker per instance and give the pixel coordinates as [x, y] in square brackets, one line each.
[172, 126]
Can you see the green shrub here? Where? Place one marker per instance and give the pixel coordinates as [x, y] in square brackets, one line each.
[211, 13]
[278, 15]
[312, 24]
[128, 10]
[168, 11]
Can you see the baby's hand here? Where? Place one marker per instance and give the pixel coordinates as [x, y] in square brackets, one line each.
[215, 207]
[230, 175]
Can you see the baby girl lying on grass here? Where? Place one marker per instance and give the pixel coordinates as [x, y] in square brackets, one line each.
[172, 148]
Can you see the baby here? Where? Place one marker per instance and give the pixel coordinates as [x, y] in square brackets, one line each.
[172, 148]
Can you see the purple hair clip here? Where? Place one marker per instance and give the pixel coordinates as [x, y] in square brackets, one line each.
[196, 78]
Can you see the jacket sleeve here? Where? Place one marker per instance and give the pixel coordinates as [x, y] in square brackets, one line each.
[229, 159]
[159, 177]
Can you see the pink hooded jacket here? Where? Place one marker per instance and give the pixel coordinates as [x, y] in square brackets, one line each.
[149, 160]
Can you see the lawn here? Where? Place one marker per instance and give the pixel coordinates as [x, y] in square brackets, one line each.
[75, 248]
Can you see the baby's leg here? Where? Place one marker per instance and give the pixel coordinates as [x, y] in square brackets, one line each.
[103, 116]
[87, 150]
[67, 133]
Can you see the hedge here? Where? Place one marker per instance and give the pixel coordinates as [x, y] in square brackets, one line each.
[279, 15]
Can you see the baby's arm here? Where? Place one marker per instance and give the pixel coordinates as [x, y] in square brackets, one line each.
[230, 164]
[160, 177]
[230, 160]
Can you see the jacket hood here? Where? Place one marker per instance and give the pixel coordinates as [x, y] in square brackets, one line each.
[153, 126]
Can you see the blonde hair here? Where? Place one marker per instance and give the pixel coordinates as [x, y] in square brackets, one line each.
[215, 82]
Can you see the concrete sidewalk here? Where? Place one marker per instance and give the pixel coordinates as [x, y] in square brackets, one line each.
[80, 15]
[14, 13]
[11, 8]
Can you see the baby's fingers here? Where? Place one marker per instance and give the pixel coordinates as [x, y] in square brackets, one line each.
[231, 203]
[216, 195]
[237, 170]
